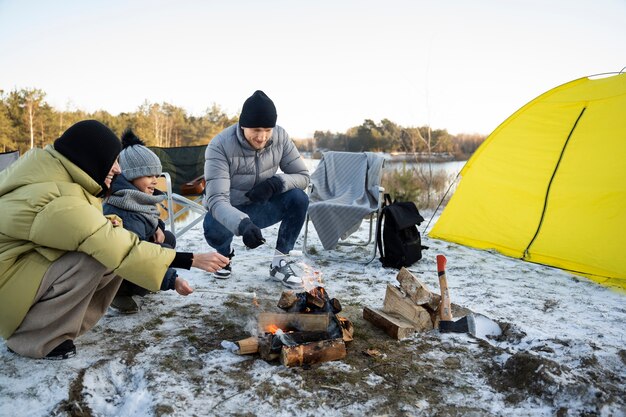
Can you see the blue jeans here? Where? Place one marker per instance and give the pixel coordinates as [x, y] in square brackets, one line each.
[289, 208]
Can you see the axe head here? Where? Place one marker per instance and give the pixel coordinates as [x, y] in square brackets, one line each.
[477, 325]
[465, 324]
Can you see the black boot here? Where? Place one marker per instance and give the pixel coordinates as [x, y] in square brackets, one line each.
[64, 351]
[124, 304]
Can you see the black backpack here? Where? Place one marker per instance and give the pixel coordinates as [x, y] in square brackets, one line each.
[400, 243]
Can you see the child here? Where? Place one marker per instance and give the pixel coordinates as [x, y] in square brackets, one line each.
[134, 198]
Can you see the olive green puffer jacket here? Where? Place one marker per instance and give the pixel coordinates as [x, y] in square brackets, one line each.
[47, 208]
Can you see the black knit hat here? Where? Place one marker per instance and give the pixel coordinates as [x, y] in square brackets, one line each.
[258, 111]
[92, 147]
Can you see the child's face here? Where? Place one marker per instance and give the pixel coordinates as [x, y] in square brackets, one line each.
[145, 184]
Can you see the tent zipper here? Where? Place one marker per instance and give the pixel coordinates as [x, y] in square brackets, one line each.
[545, 201]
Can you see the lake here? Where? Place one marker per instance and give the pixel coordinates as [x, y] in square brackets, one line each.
[451, 167]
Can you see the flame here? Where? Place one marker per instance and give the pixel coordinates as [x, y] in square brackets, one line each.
[312, 278]
[272, 328]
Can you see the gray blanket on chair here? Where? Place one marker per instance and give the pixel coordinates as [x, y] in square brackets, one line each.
[345, 190]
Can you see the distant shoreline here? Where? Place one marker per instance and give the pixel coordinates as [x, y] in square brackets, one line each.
[408, 156]
[421, 156]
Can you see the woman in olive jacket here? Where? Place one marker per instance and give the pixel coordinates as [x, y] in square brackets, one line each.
[61, 259]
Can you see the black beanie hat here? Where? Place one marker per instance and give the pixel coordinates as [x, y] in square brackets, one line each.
[258, 111]
[92, 147]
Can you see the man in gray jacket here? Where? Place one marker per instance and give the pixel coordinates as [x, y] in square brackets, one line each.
[245, 193]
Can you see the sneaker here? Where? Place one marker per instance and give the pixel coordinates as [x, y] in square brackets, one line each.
[283, 273]
[225, 272]
[124, 304]
[64, 351]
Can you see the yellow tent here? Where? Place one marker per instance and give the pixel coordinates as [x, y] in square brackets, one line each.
[549, 184]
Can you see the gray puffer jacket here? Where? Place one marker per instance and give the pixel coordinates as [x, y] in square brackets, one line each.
[232, 167]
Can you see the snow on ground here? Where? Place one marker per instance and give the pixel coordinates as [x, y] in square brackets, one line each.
[168, 359]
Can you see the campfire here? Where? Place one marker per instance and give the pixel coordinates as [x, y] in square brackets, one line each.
[308, 332]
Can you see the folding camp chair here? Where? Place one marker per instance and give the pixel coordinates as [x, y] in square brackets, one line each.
[182, 181]
[345, 190]
[7, 158]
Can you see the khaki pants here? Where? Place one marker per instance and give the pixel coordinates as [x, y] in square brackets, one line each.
[74, 294]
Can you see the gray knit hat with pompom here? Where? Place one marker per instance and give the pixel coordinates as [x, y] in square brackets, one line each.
[136, 160]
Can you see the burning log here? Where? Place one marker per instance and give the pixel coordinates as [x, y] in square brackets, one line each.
[314, 302]
[347, 329]
[269, 322]
[308, 302]
[300, 303]
[281, 338]
[308, 333]
[270, 345]
[266, 350]
[287, 300]
[314, 352]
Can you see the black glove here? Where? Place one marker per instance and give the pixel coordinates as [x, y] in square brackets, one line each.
[264, 190]
[252, 236]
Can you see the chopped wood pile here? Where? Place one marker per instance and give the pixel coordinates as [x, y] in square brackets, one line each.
[408, 308]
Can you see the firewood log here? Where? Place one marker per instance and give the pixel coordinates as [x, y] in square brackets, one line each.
[313, 352]
[396, 327]
[298, 338]
[336, 305]
[396, 302]
[313, 301]
[347, 329]
[248, 345]
[265, 348]
[292, 322]
[416, 290]
[287, 299]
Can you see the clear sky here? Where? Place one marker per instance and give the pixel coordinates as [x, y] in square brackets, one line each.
[461, 65]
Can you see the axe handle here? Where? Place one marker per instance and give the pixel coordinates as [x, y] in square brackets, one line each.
[445, 312]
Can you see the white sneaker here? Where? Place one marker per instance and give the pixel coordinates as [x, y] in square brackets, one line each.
[223, 273]
[284, 274]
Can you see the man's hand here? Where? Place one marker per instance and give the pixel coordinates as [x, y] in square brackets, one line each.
[264, 190]
[209, 262]
[252, 236]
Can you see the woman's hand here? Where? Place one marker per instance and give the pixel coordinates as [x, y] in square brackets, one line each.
[182, 287]
[209, 262]
[159, 236]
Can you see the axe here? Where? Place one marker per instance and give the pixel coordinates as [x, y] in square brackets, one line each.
[446, 325]
[474, 324]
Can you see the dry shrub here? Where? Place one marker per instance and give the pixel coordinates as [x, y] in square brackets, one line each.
[424, 187]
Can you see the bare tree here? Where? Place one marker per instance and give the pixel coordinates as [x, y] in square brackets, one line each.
[157, 123]
[30, 101]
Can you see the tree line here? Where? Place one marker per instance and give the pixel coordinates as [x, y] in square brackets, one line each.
[389, 137]
[27, 121]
